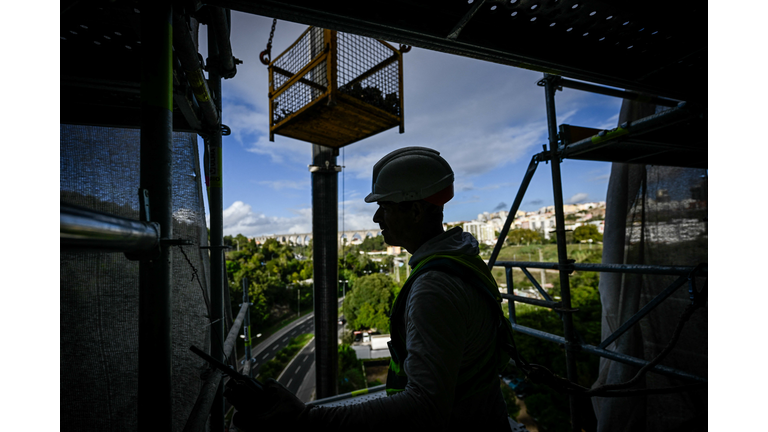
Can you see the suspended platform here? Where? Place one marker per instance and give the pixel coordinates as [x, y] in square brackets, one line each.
[334, 89]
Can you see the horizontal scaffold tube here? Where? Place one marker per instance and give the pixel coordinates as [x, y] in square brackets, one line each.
[87, 229]
[619, 357]
[608, 268]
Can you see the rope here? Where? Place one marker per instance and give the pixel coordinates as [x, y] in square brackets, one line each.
[205, 297]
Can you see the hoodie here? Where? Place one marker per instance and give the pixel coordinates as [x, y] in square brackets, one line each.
[449, 326]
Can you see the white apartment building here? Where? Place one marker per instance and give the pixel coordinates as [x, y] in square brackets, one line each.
[482, 231]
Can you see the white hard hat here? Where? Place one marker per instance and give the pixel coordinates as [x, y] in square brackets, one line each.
[412, 174]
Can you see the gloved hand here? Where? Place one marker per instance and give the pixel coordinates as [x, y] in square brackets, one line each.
[277, 406]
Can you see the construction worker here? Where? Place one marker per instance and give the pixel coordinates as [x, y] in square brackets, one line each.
[447, 329]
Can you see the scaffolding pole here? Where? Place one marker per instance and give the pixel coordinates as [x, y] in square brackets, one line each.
[325, 253]
[571, 344]
[216, 204]
[154, 405]
[512, 211]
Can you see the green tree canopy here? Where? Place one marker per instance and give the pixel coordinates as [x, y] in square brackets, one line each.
[369, 302]
[523, 235]
[587, 232]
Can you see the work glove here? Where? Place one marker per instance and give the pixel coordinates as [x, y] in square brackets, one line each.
[276, 406]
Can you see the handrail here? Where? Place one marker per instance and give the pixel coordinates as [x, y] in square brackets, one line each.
[342, 396]
[682, 271]
[607, 268]
[199, 415]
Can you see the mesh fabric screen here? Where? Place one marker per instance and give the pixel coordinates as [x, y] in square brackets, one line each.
[99, 169]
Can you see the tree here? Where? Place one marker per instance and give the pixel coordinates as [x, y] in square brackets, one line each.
[373, 244]
[350, 370]
[522, 235]
[369, 302]
[587, 232]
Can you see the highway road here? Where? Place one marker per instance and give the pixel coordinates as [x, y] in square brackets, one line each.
[299, 374]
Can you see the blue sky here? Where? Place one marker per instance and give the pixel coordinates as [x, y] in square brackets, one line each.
[487, 120]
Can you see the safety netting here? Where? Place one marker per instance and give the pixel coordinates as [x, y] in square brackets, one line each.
[99, 170]
[655, 215]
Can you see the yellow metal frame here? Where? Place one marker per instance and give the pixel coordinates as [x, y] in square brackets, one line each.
[331, 95]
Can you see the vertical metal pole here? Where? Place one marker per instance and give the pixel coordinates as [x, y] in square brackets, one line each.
[511, 291]
[326, 256]
[562, 251]
[216, 205]
[154, 407]
[247, 326]
[515, 206]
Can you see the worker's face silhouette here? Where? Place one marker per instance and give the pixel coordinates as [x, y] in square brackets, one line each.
[396, 221]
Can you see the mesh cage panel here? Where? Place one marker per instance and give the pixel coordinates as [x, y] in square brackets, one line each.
[300, 94]
[334, 89]
[99, 169]
[358, 55]
[291, 62]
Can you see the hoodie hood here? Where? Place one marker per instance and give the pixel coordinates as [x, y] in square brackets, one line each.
[452, 242]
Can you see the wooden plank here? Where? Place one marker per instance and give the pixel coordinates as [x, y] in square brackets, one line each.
[369, 109]
[349, 121]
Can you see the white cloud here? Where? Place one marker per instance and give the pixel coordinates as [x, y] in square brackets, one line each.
[610, 123]
[358, 215]
[578, 198]
[239, 218]
[286, 184]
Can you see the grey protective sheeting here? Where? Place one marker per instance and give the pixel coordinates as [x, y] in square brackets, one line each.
[654, 215]
[99, 169]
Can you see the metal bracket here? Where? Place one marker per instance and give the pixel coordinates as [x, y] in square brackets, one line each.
[327, 168]
[154, 253]
[568, 266]
[225, 130]
[555, 81]
[144, 204]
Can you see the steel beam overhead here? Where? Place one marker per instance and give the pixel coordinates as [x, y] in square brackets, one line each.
[623, 45]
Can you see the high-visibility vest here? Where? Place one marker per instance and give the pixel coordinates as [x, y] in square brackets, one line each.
[474, 272]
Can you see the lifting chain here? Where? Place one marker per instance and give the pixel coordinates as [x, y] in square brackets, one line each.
[266, 55]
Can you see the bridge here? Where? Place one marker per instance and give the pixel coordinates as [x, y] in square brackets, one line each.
[304, 238]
